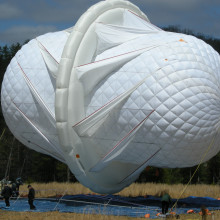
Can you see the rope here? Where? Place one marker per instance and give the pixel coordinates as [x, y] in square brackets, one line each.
[60, 200]
[16, 199]
[121, 201]
[91, 207]
[90, 203]
[137, 209]
[9, 160]
[202, 158]
[26, 156]
[2, 134]
[109, 199]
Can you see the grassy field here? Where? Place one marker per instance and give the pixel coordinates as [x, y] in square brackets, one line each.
[136, 189]
[60, 189]
[5, 215]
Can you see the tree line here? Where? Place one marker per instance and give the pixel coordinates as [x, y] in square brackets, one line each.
[19, 161]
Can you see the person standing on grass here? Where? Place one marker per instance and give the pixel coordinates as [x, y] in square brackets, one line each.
[31, 196]
[7, 193]
[166, 200]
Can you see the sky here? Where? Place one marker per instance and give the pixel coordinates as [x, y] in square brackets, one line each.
[25, 19]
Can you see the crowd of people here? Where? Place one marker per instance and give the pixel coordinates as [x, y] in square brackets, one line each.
[8, 191]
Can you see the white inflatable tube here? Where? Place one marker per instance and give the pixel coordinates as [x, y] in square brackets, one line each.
[80, 49]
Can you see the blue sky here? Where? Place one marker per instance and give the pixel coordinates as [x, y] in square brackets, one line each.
[25, 19]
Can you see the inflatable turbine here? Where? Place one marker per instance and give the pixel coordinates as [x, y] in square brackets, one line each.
[113, 95]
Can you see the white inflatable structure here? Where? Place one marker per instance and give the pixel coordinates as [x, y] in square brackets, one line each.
[113, 95]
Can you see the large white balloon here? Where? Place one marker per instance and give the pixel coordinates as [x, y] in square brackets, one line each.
[114, 94]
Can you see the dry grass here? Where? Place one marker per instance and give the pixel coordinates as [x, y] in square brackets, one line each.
[136, 189]
[74, 216]
[143, 189]
[55, 189]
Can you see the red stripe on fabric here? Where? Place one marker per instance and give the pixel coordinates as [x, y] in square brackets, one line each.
[29, 120]
[127, 135]
[26, 77]
[24, 72]
[97, 110]
[47, 51]
[38, 131]
[143, 19]
[41, 147]
[136, 15]
[111, 57]
[141, 165]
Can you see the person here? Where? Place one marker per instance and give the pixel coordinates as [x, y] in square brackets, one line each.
[18, 183]
[204, 212]
[14, 189]
[4, 182]
[7, 193]
[166, 200]
[31, 196]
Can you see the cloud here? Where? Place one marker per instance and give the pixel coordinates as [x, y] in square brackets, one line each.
[171, 4]
[40, 16]
[197, 15]
[8, 11]
[22, 33]
[43, 11]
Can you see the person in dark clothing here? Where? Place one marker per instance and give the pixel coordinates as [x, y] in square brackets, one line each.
[14, 188]
[166, 200]
[7, 193]
[18, 182]
[31, 196]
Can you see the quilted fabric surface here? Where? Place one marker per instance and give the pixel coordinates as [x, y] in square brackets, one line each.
[28, 95]
[182, 88]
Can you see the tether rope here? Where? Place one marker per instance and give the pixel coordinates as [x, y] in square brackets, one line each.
[202, 158]
[60, 200]
[142, 207]
[7, 171]
[2, 134]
